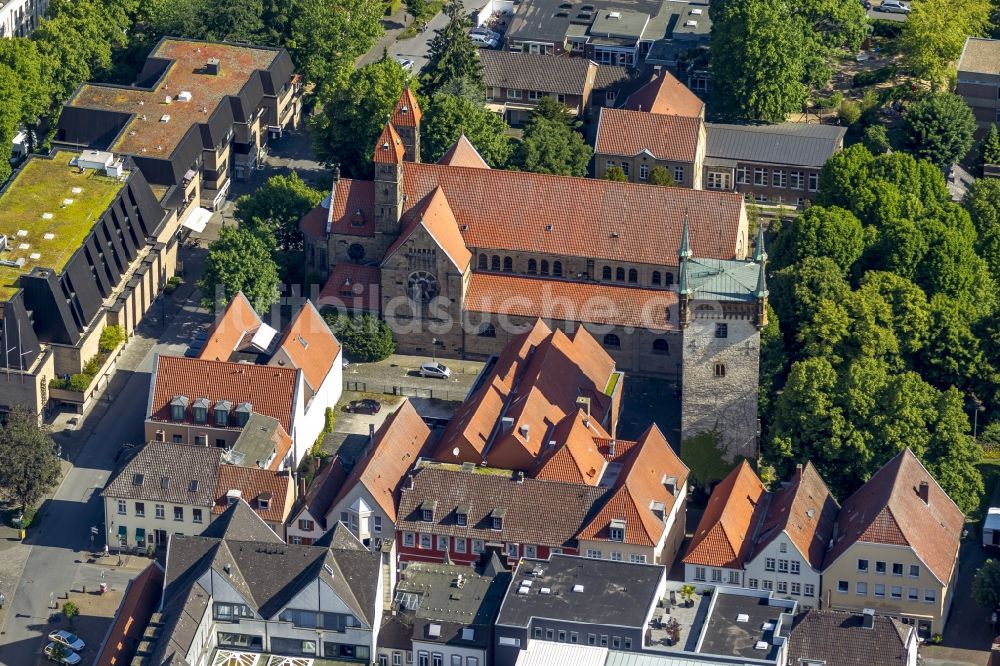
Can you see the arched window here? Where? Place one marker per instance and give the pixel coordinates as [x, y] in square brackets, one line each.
[487, 330]
[633, 275]
[495, 262]
[545, 267]
[532, 266]
[483, 262]
[670, 279]
[606, 273]
[612, 341]
[720, 369]
[656, 278]
[508, 264]
[620, 274]
[557, 268]
[660, 346]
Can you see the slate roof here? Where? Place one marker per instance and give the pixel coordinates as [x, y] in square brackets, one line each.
[353, 287]
[614, 593]
[541, 213]
[434, 215]
[310, 345]
[806, 511]
[532, 71]
[526, 296]
[536, 382]
[838, 637]
[255, 484]
[568, 505]
[608, 76]
[664, 94]
[462, 153]
[179, 464]
[270, 389]
[796, 144]
[640, 484]
[398, 443]
[630, 133]
[725, 533]
[888, 510]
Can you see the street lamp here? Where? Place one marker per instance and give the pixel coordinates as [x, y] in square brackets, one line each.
[978, 405]
[434, 342]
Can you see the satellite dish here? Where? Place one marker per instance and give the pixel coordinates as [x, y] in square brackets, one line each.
[455, 452]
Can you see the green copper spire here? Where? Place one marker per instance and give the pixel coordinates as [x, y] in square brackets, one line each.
[761, 289]
[759, 253]
[684, 252]
[682, 281]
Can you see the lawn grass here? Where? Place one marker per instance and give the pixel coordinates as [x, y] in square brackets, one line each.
[41, 186]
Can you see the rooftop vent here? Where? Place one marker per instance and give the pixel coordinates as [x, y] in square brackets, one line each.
[761, 645]
[434, 630]
[165, 118]
[523, 590]
[23, 246]
[328, 569]
[614, 15]
[742, 617]
[45, 216]
[213, 67]
[228, 569]
[549, 227]
[690, 24]
[67, 202]
[578, 588]
[34, 256]
[545, 590]
[76, 190]
[168, 99]
[184, 96]
[48, 236]
[696, 12]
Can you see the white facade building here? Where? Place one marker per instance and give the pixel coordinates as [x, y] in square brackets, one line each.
[19, 18]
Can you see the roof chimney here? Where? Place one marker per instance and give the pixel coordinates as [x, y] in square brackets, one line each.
[524, 431]
[371, 431]
[213, 66]
[925, 492]
[584, 403]
[611, 448]
[520, 477]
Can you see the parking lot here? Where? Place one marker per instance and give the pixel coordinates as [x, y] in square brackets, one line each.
[400, 375]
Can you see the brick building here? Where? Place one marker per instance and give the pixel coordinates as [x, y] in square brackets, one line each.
[462, 259]
[979, 80]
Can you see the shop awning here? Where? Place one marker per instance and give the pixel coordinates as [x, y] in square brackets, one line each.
[197, 219]
[140, 534]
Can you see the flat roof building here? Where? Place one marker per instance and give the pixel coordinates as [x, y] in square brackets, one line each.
[979, 79]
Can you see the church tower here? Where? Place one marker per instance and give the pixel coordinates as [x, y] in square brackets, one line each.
[406, 122]
[388, 161]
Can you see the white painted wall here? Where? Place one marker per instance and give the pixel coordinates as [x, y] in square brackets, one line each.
[310, 414]
[689, 576]
[18, 18]
[756, 569]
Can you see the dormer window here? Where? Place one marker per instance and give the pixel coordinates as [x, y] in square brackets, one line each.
[616, 530]
[496, 519]
[462, 515]
[264, 501]
[222, 409]
[200, 410]
[178, 407]
[427, 511]
[243, 412]
[233, 496]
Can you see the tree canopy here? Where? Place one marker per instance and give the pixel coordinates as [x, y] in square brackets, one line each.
[239, 261]
[939, 128]
[986, 585]
[31, 467]
[935, 32]
[448, 117]
[659, 175]
[551, 143]
[452, 55]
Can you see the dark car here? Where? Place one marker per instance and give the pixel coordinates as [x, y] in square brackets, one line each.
[366, 406]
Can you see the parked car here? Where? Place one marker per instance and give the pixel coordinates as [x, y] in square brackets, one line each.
[485, 32]
[61, 655]
[435, 370]
[366, 406]
[70, 640]
[194, 349]
[202, 335]
[894, 7]
[405, 63]
[482, 40]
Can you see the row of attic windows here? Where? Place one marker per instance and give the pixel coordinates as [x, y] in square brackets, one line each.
[221, 412]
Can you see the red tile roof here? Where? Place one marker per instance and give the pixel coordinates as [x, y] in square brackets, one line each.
[238, 319]
[310, 345]
[575, 458]
[540, 213]
[353, 287]
[536, 382]
[435, 216]
[463, 154]
[407, 112]
[630, 133]
[640, 483]
[397, 445]
[888, 510]
[725, 533]
[587, 302]
[389, 147]
[666, 95]
[255, 484]
[269, 389]
[806, 511]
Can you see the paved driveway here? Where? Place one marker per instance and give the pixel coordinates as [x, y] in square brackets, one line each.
[400, 375]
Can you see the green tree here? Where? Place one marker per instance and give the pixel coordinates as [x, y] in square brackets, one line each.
[821, 232]
[616, 174]
[10, 113]
[70, 611]
[452, 55]
[982, 200]
[31, 467]
[989, 150]
[354, 112]
[659, 175]
[448, 117]
[842, 175]
[174, 17]
[911, 316]
[239, 261]
[939, 128]
[234, 20]
[550, 146]
[757, 60]
[986, 585]
[416, 8]
[935, 32]
[366, 339]
[274, 210]
[22, 56]
[796, 291]
[876, 139]
[550, 108]
[327, 36]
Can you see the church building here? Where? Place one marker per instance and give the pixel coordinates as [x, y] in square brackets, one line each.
[459, 258]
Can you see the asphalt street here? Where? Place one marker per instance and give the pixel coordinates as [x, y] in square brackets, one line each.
[61, 544]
